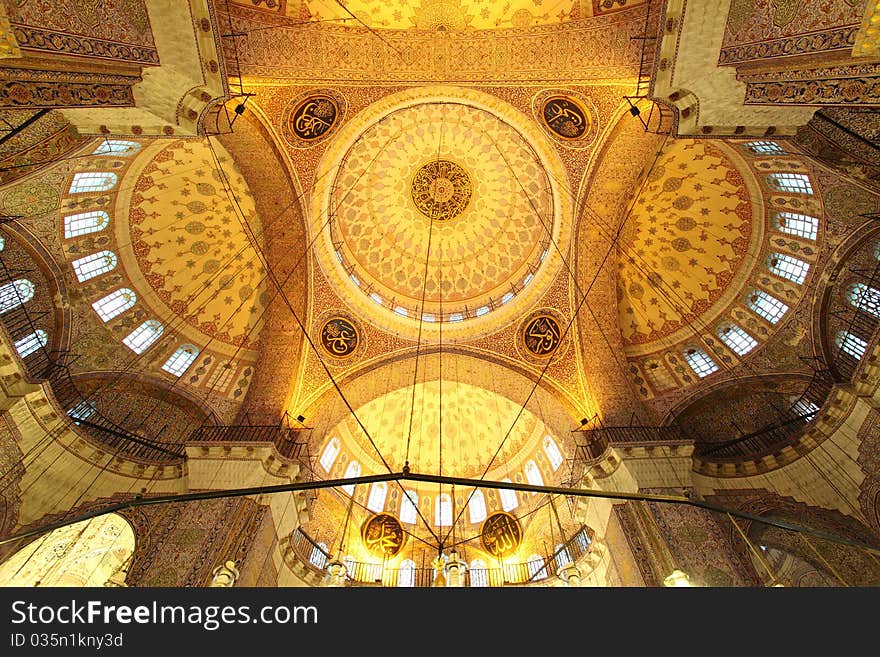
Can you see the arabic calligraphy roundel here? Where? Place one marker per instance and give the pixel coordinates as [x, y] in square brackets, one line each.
[339, 337]
[501, 534]
[312, 117]
[567, 117]
[383, 535]
[540, 335]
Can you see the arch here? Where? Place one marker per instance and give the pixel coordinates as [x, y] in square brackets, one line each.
[271, 177]
[765, 147]
[736, 339]
[118, 147]
[700, 362]
[86, 553]
[799, 225]
[14, 294]
[180, 361]
[533, 474]
[788, 267]
[83, 223]
[92, 181]
[353, 469]
[376, 498]
[328, 456]
[792, 183]
[477, 507]
[508, 497]
[460, 365]
[766, 305]
[409, 503]
[93, 265]
[443, 510]
[115, 303]
[144, 336]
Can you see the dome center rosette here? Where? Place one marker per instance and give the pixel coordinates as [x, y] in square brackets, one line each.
[440, 206]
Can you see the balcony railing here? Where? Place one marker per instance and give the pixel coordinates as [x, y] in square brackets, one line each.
[284, 438]
[315, 556]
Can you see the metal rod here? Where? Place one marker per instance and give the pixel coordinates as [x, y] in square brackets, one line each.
[437, 479]
[24, 124]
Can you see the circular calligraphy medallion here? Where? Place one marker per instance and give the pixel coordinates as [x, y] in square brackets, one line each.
[501, 534]
[565, 117]
[441, 190]
[339, 337]
[383, 535]
[313, 116]
[541, 335]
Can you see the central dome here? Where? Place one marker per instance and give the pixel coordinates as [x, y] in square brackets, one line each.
[439, 211]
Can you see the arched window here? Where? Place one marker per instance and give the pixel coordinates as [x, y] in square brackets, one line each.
[180, 360]
[477, 507]
[851, 344]
[789, 267]
[406, 574]
[85, 222]
[563, 557]
[537, 570]
[115, 303]
[84, 554]
[761, 147]
[328, 456]
[443, 510]
[376, 500]
[93, 265]
[93, 181]
[479, 574]
[408, 505]
[352, 470]
[222, 376]
[31, 342]
[799, 225]
[2, 242]
[865, 298]
[767, 306]
[318, 556]
[551, 449]
[15, 294]
[116, 147]
[737, 339]
[509, 500]
[83, 410]
[700, 362]
[143, 336]
[796, 183]
[533, 475]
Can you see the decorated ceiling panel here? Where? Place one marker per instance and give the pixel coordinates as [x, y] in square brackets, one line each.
[439, 14]
[439, 206]
[684, 243]
[190, 211]
[473, 425]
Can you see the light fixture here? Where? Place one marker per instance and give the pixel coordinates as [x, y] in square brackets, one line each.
[677, 578]
[225, 575]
